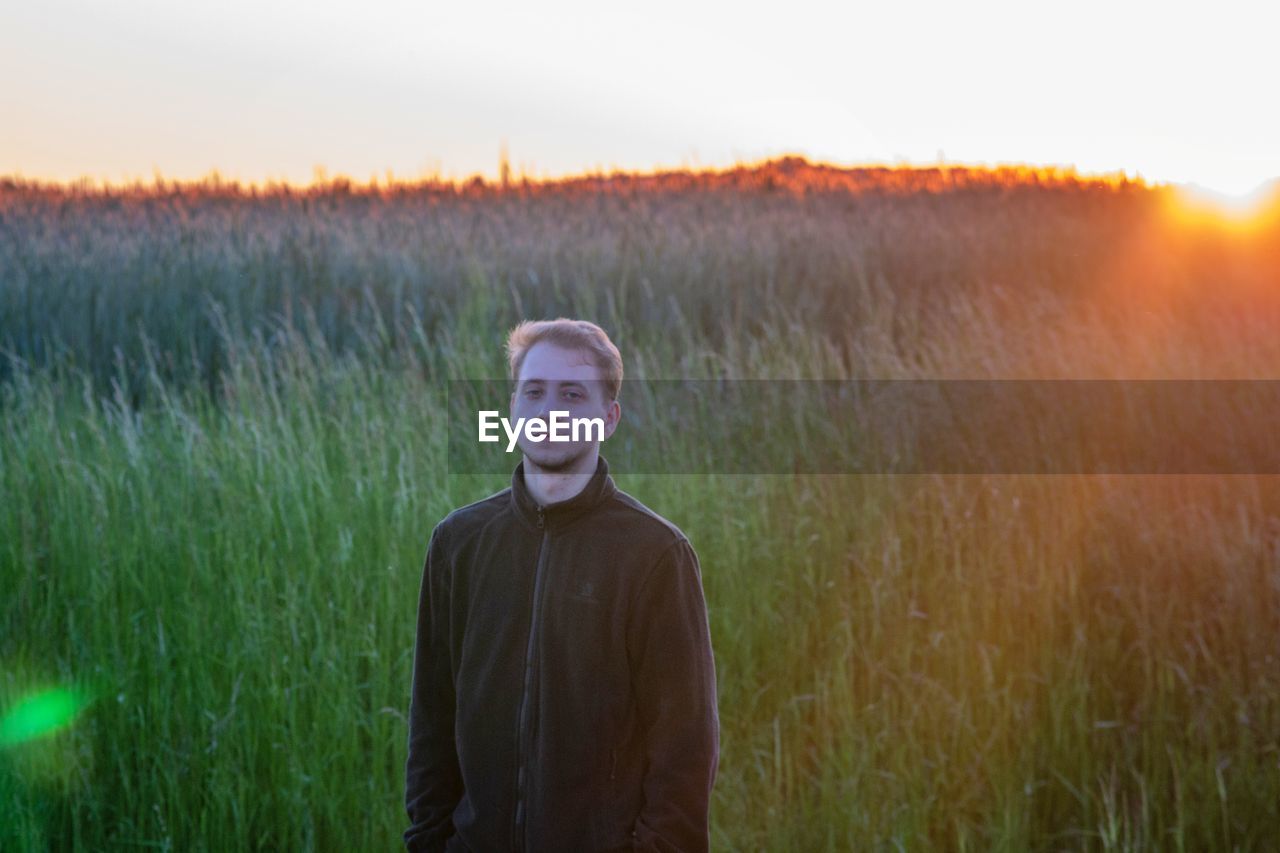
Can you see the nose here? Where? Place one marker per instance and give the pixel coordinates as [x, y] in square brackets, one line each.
[537, 408]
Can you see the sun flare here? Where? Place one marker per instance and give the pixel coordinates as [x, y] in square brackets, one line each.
[1243, 212]
[1235, 203]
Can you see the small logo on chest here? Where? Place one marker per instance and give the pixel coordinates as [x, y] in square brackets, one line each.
[585, 591]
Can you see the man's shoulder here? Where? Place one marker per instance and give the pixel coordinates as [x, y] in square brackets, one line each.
[465, 520]
[641, 523]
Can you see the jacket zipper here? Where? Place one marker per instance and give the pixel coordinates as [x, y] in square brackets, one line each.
[520, 830]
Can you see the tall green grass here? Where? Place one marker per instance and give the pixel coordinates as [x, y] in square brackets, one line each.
[229, 566]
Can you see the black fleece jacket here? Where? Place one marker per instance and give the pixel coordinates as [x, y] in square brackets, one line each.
[564, 689]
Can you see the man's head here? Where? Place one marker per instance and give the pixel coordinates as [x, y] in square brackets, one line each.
[564, 365]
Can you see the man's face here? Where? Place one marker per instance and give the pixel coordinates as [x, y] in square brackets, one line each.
[553, 378]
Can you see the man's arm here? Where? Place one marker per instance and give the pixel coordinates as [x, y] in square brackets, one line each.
[433, 782]
[673, 671]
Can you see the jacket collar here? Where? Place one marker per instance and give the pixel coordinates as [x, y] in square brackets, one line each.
[554, 516]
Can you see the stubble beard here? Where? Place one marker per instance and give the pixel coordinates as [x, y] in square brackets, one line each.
[557, 463]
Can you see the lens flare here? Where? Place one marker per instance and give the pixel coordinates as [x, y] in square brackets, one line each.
[40, 715]
[1231, 206]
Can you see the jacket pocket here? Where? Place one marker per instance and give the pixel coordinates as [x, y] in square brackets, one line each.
[610, 829]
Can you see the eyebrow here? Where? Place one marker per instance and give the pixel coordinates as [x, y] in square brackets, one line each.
[566, 383]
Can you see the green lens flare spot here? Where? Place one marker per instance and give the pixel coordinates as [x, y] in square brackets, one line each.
[40, 715]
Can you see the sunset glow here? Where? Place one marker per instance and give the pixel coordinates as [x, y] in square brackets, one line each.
[1251, 216]
[1230, 204]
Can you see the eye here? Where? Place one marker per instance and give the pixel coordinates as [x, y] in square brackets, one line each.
[533, 392]
[573, 395]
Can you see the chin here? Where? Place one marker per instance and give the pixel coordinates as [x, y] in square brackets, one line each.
[556, 462]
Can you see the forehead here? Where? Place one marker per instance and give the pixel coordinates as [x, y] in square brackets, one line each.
[553, 363]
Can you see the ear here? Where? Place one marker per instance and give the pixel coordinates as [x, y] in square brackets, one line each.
[612, 415]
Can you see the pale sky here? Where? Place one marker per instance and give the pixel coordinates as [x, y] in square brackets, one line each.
[121, 89]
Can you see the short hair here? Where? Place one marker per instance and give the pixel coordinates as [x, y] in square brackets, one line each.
[570, 334]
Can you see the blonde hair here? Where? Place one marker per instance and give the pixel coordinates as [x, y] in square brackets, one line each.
[570, 334]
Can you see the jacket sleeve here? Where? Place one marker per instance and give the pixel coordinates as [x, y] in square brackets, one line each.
[433, 781]
[674, 677]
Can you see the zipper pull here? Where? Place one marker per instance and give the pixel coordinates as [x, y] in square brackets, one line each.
[539, 517]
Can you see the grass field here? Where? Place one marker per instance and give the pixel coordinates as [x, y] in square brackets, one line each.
[223, 452]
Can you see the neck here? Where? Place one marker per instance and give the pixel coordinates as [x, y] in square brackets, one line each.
[552, 487]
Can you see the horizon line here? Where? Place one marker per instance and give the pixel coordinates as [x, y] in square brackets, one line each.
[505, 176]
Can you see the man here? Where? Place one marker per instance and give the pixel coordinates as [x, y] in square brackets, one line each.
[564, 689]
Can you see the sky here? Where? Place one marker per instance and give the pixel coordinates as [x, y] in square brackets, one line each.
[127, 89]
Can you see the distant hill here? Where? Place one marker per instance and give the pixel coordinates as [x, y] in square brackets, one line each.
[784, 174]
